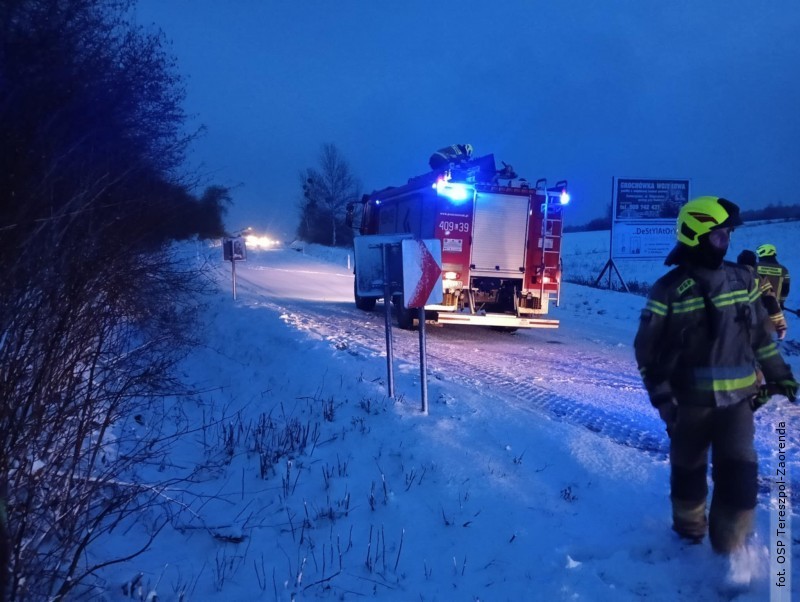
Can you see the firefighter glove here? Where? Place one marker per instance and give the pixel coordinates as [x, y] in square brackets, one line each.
[761, 398]
[788, 388]
[667, 410]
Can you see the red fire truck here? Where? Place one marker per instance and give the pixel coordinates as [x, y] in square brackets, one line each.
[501, 242]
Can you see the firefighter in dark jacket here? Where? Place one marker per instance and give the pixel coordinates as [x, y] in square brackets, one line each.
[769, 269]
[777, 320]
[457, 153]
[701, 335]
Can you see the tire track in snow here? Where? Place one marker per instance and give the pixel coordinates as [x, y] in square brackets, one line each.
[509, 376]
[621, 428]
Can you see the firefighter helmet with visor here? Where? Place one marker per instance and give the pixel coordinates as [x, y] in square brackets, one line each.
[704, 214]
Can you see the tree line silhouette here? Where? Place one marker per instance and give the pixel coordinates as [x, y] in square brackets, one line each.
[95, 303]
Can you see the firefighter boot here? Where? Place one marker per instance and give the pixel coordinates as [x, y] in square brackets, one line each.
[728, 527]
[689, 519]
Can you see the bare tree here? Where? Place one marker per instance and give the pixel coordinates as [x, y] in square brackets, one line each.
[328, 189]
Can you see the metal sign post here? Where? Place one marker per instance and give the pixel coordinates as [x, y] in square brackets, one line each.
[393, 265]
[422, 285]
[378, 268]
[423, 368]
[387, 316]
[233, 278]
[233, 250]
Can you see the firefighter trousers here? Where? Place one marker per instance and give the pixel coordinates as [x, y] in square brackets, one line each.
[728, 433]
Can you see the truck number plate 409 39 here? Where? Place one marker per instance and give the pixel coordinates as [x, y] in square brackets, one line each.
[454, 226]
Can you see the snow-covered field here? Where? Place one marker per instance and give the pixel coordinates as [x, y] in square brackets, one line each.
[539, 472]
[586, 253]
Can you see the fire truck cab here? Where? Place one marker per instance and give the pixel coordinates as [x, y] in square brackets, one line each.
[500, 241]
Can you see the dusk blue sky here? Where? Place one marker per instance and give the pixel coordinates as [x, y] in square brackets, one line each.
[581, 90]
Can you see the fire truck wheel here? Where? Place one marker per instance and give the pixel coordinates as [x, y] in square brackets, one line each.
[405, 317]
[363, 303]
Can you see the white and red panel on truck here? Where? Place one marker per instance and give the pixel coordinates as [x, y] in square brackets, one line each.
[500, 242]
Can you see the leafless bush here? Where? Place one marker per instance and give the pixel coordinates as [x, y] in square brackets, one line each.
[94, 307]
[76, 362]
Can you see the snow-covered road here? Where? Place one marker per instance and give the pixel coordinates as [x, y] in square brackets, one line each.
[583, 372]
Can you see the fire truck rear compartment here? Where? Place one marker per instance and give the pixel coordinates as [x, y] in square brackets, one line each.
[496, 293]
[500, 230]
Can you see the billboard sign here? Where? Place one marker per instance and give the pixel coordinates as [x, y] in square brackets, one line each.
[645, 211]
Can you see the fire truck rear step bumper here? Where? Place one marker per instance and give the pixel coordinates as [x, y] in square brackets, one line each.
[495, 320]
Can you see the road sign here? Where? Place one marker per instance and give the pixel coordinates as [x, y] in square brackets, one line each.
[374, 268]
[234, 249]
[422, 272]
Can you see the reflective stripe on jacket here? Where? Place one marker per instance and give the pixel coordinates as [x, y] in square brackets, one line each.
[701, 334]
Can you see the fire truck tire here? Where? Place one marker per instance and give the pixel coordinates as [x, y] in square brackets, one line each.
[405, 316]
[363, 303]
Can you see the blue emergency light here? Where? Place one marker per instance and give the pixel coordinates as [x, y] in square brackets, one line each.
[560, 189]
[455, 191]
